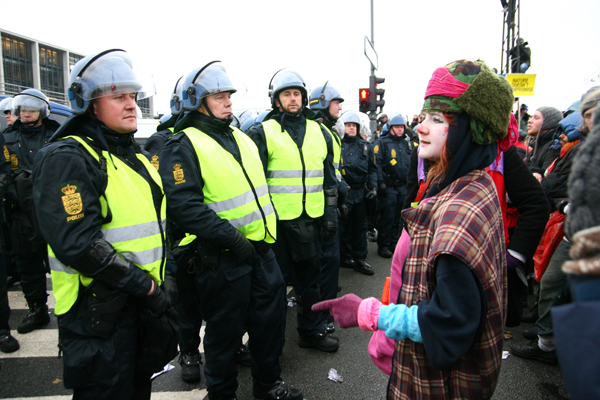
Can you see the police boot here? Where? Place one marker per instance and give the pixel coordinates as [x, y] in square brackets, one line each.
[8, 344]
[321, 341]
[384, 251]
[275, 390]
[372, 235]
[38, 316]
[362, 267]
[190, 366]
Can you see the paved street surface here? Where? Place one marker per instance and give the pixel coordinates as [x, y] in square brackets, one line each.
[35, 372]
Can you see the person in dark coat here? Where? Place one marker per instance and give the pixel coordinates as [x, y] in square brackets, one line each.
[541, 128]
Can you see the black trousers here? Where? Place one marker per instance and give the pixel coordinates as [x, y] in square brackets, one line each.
[98, 368]
[330, 271]
[388, 227]
[234, 299]
[354, 232]
[31, 260]
[4, 306]
[298, 250]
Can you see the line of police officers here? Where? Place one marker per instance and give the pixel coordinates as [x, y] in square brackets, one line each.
[246, 212]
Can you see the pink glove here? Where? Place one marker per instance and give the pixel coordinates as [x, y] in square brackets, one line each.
[343, 310]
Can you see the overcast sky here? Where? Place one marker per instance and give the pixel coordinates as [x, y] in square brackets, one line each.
[324, 40]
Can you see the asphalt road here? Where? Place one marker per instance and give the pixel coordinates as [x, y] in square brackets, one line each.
[35, 371]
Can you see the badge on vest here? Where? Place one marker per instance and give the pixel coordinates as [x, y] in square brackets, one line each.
[178, 174]
[72, 202]
[393, 153]
[6, 154]
[376, 149]
[154, 161]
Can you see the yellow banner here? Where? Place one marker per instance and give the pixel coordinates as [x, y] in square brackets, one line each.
[523, 84]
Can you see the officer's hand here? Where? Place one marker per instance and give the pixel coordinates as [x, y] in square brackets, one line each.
[343, 210]
[157, 300]
[371, 194]
[242, 248]
[382, 189]
[169, 286]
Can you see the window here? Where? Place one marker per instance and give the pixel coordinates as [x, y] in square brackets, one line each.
[51, 71]
[18, 72]
[144, 105]
[73, 59]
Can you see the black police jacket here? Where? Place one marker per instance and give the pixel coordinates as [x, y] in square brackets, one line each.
[67, 161]
[392, 157]
[22, 145]
[185, 201]
[358, 163]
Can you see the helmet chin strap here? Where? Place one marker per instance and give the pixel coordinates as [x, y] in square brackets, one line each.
[32, 124]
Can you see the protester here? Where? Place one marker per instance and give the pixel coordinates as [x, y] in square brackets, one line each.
[448, 322]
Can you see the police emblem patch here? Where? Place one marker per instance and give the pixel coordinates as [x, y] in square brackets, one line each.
[6, 154]
[178, 174]
[393, 153]
[376, 149]
[14, 162]
[72, 202]
[154, 161]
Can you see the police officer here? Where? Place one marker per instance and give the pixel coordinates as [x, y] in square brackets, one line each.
[6, 110]
[297, 154]
[326, 101]
[103, 212]
[239, 284]
[29, 134]
[360, 173]
[392, 153]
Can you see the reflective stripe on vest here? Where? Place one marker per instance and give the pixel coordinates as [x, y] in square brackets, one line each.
[337, 152]
[226, 189]
[296, 178]
[134, 231]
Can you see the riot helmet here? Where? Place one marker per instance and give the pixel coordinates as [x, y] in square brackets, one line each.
[351, 117]
[287, 79]
[165, 118]
[176, 101]
[261, 117]
[202, 82]
[396, 119]
[380, 117]
[108, 73]
[31, 100]
[247, 124]
[321, 97]
[6, 105]
[235, 122]
[246, 115]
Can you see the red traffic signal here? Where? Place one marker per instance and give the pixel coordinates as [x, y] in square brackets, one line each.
[363, 100]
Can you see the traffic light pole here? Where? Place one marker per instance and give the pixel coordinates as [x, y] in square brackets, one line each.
[373, 114]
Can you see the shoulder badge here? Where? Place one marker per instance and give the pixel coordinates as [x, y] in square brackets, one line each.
[393, 153]
[154, 161]
[376, 149]
[72, 202]
[178, 174]
[6, 154]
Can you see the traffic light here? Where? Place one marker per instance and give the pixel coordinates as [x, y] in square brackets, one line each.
[364, 98]
[376, 94]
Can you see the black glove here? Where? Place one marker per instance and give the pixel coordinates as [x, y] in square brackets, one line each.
[371, 194]
[343, 210]
[382, 189]
[242, 248]
[169, 286]
[328, 230]
[157, 301]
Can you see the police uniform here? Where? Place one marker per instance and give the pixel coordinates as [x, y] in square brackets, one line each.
[103, 214]
[392, 154]
[297, 155]
[234, 295]
[360, 173]
[29, 248]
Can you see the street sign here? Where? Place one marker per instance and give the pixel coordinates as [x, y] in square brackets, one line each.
[371, 53]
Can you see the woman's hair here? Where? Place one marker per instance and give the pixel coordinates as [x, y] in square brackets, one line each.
[438, 169]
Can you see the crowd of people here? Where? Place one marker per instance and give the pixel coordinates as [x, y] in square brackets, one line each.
[213, 216]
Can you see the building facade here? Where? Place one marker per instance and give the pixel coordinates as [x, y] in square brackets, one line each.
[29, 63]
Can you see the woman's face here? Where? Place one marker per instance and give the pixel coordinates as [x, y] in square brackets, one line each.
[433, 134]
